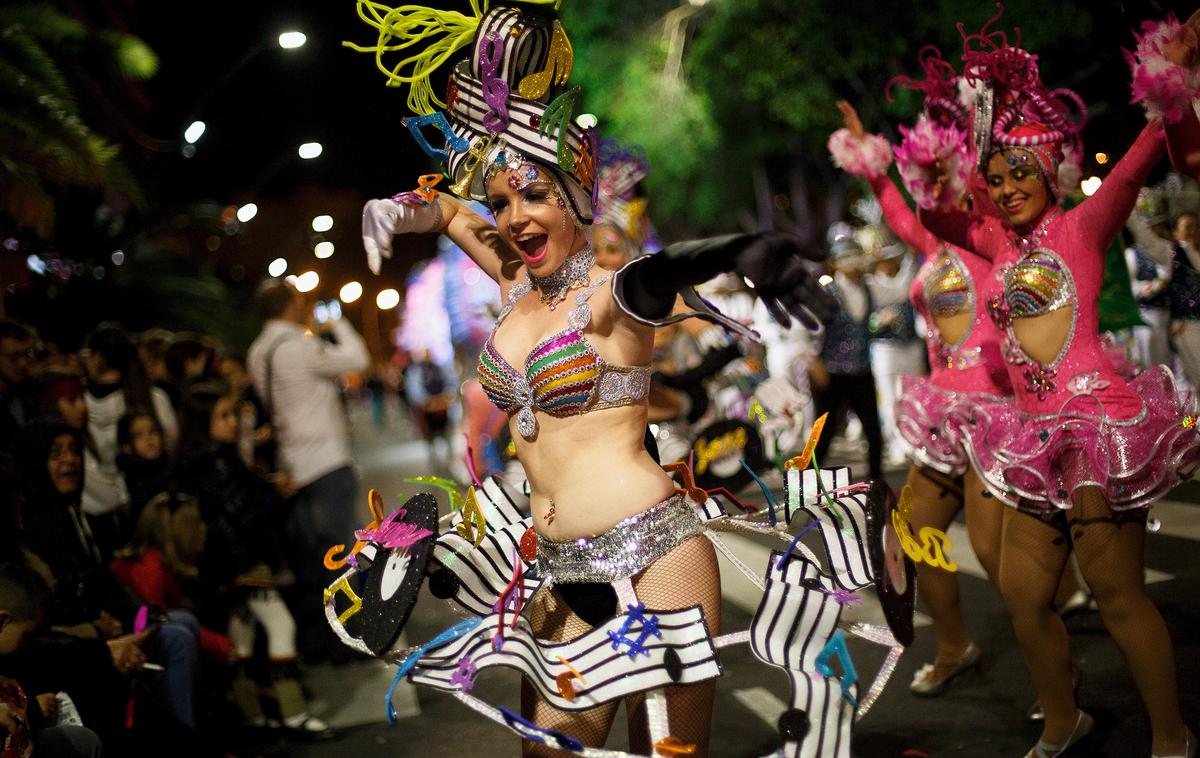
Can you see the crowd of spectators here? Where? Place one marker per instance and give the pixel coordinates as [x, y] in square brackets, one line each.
[149, 582]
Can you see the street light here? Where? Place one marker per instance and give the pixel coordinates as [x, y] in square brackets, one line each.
[194, 132]
[291, 40]
[322, 223]
[310, 150]
[277, 267]
[307, 282]
[387, 299]
[247, 212]
[323, 249]
[350, 292]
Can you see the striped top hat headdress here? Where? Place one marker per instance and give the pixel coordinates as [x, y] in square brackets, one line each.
[508, 104]
[1013, 108]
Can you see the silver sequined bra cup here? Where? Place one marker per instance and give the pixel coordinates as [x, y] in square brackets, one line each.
[628, 547]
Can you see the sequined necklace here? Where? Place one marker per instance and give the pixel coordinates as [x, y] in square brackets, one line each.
[1031, 241]
[571, 275]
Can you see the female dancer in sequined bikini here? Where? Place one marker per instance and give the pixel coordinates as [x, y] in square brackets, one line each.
[964, 356]
[589, 472]
[1082, 453]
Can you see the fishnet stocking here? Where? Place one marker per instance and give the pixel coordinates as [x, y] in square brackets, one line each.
[1109, 547]
[686, 576]
[985, 518]
[937, 499]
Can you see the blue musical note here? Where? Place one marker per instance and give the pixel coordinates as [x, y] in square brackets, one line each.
[837, 646]
[649, 627]
[438, 119]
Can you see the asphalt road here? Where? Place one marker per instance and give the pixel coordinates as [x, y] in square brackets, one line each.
[982, 715]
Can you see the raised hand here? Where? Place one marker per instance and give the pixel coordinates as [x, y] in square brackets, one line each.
[407, 213]
[774, 263]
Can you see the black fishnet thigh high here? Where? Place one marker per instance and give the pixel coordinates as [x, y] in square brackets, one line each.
[686, 576]
[552, 619]
[936, 500]
[1033, 552]
[1110, 547]
[985, 518]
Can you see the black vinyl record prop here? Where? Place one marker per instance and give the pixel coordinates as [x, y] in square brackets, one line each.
[719, 449]
[394, 580]
[895, 574]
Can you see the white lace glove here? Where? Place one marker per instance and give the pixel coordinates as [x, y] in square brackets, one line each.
[387, 217]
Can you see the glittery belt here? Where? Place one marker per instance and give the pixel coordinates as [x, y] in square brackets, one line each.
[629, 546]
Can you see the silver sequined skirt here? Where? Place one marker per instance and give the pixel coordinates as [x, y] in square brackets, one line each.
[629, 546]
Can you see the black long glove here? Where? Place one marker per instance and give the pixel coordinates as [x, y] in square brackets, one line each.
[772, 261]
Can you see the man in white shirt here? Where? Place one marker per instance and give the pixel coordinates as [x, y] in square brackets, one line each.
[296, 375]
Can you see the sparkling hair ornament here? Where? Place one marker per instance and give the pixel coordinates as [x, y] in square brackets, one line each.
[1011, 98]
[943, 100]
[620, 167]
[510, 94]
[1164, 88]
[926, 149]
[869, 156]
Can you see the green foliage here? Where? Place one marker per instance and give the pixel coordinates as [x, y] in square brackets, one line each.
[44, 143]
[760, 78]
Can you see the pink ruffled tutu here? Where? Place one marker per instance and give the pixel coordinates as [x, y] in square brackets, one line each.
[934, 423]
[1036, 463]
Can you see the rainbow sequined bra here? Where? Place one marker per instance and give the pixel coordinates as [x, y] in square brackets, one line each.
[564, 376]
[1037, 284]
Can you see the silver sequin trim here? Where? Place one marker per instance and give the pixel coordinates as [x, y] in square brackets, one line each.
[628, 547]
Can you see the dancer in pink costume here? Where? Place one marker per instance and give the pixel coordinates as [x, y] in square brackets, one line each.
[1082, 453]
[965, 361]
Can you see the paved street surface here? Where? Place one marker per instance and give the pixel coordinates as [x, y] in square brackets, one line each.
[983, 715]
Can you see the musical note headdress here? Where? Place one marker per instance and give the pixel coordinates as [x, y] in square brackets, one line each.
[507, 105]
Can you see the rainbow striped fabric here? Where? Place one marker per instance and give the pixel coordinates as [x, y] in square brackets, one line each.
[561, 372]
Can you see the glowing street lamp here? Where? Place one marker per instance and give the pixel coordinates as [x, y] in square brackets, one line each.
[194, 132]
[247, 212]
[322, 223]
[387, 299]
[290, 40]
[310, 150]
[277, 267]
[350, 292]
[307, 282]
[323, 249]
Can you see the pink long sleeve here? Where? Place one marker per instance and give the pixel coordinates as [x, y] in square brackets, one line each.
[1103, 214]
[958, 228]
[1183, 144]
[901, 219]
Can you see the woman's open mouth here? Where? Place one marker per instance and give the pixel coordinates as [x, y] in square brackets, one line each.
[534, 247]
[1013, 207]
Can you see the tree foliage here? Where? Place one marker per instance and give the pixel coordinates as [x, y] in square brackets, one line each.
[44, 143]
[738, 137]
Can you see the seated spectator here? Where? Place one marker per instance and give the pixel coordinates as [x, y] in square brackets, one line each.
[142, 459]
[237, 506]
[88, 599]
[116, 382]
[33, 719]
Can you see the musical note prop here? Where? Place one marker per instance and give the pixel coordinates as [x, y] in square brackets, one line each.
[425, 187]
[474, 523]
[559, 62]
[931, 546]
[343, 586]
[441, 483]
[479, 150]
[414, 124]
[837, 647]
[557, 118]
[375, 503]
[495, 88]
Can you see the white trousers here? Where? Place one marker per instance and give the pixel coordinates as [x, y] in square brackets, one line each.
[891, 359]
[1187, 342]
[1150, 343]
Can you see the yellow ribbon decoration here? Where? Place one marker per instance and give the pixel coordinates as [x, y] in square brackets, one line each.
[375, 503]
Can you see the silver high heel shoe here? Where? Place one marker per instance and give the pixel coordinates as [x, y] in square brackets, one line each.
[933, 679]
[1083, 727]
[1189, 748]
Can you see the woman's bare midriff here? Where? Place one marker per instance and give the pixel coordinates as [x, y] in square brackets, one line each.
[1042, 337]
[953, 328]
[593, 468]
